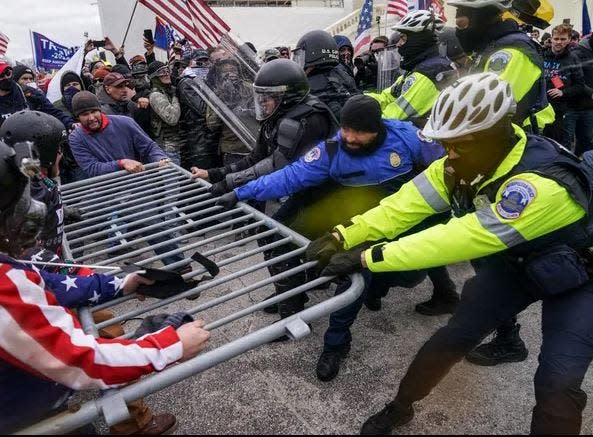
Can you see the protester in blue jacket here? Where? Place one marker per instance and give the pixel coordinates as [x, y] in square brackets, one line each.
[367, 160]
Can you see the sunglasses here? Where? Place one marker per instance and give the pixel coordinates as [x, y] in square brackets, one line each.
[7, 73]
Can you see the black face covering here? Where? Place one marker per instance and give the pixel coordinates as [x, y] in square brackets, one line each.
[6, 84]
[416, 45]
[484, 154]
[476, 36]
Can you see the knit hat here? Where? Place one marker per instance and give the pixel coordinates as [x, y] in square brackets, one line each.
[3, 66]
[362, 113]
[123, 70]
[85, 101]
[154, 68]
[69, 77]
[20, 70]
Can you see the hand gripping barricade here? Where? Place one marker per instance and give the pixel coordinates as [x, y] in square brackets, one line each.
[130, 217]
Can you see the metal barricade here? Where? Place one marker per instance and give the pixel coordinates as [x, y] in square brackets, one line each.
[159, 213]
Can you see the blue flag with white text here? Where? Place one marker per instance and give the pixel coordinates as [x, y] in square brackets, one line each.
[50, 55]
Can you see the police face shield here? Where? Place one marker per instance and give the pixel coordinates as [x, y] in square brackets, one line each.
[225, 86]
[388, 67]
[298, 56]
[267, 100]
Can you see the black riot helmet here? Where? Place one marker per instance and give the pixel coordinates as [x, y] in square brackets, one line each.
[47, 134]
[279, 85]
[21, 217]
[316, 49]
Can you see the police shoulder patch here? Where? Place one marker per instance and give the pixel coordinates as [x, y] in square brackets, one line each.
[313, 155]
[516, 196]
[499, 61]
[408, 84]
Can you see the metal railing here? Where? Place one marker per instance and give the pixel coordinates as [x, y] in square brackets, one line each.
[124, 213]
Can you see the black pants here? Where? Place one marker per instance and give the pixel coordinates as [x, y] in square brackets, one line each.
[493, 296]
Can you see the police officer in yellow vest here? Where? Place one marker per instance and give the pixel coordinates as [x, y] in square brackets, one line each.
[522, 210]
[484, 29]
[410, 98]
[427, 73]
[499, 46]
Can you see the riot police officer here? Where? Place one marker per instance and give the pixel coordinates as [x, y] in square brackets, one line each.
[522, 207]
[318, 54]
[292, 121]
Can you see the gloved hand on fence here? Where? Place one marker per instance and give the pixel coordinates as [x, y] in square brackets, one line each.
[346, 262]
[219, 188]
[216, 174]
[72, 215]
[323, 249]
[227, 201]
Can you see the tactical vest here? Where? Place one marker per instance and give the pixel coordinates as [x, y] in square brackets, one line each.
[548, 159]
[536, 99]
[328, 87]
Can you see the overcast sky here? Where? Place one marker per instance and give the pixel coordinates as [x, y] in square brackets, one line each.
[63, 21]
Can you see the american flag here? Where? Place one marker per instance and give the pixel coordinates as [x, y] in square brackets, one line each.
[3, 43]
[402, 7]
[192, 18]
[397, 7]
[365, 22]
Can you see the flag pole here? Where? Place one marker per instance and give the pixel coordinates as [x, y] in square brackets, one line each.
[130, 23]
[33, 51]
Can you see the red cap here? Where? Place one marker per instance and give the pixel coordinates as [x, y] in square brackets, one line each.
[3, 66]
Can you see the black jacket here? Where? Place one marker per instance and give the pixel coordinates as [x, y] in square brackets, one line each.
[584, 53]
[564, 67]
[12, 102]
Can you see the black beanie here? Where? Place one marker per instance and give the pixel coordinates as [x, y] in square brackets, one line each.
[19, 70]
[68, 77]
[362, 113]
[84, 101]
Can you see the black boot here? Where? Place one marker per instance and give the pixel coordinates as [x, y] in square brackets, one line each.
[273, 309]
[441, 302]
[507, 347]
[392, 416]
[290, 306]
[328, 364]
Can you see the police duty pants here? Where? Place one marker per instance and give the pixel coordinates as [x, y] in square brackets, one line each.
[494, 295]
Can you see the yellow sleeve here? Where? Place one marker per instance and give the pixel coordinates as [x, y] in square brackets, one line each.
[516, 68]
[417, 98]
[527, 206]
[385, 97]
[420, 198]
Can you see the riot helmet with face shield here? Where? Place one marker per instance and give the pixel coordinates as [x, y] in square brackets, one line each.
[279, 85]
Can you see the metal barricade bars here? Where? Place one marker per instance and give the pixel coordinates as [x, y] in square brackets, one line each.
[136, 218]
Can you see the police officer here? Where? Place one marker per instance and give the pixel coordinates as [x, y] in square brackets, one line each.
[410, 98]
[427, 73]
[500, 47]
[369, 159]
[292, 121]
[318, 54]
[522, 207]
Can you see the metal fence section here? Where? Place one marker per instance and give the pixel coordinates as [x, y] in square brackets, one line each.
[158, 218]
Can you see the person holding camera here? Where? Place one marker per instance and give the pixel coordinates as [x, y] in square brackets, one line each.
[366, 65]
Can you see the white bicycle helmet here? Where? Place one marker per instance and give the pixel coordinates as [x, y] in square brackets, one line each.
[472, 104]
[419, 21]
[503, 5]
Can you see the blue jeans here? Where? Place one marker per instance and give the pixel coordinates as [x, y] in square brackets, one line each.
[578, 124]
[377, 285]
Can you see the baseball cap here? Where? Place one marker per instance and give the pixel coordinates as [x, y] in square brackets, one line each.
[114, 79]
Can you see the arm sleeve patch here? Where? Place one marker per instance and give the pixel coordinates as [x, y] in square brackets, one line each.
[516, 196]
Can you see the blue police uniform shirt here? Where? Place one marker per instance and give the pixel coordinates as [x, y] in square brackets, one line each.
[404, 150]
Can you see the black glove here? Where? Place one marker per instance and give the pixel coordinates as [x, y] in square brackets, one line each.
[323, 249]
[72, 215]
[219, 188]
[216, 174]
[343, 263]
[227, 201]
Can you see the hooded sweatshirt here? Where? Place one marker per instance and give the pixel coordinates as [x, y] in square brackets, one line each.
[563, 67]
